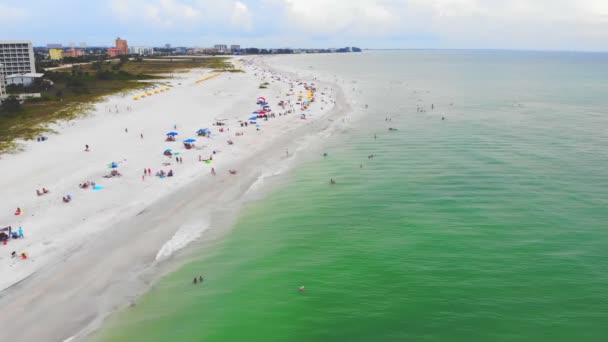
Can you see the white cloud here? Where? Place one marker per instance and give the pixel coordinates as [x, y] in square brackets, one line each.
[539, 24]
[184, 14]
[241, 17]
[363, 17]
[163, 13]
[454, 23]
[10, 14]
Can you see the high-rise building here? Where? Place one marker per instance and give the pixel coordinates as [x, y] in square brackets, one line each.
[235, 48]
[122, 46]
[17, 57]
[54, 46]
[167, 46]
[55, 54]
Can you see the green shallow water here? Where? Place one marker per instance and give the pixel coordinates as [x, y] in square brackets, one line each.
[489, 226]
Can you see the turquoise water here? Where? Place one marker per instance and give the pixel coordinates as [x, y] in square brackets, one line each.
[487, 226]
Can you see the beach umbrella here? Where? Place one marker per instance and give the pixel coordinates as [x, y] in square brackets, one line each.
[168, 150]
[263, 99]
[256, 112]
[203, 130]
[189, 141]
[253, 118]
[113, 165]
[172, 134]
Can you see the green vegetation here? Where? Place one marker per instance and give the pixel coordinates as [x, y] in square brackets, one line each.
[74, 89]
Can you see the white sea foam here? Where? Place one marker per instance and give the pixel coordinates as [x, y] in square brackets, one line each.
[281, 168]
[184, 236]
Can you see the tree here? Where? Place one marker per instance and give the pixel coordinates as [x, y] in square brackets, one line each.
[10, 104]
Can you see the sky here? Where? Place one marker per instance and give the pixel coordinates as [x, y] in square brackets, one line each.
[580, 25]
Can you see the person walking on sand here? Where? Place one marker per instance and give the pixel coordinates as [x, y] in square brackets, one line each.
[20, 233]
[149, 172]
[126, 130]
[86, 148]
[194, 281]
[141, 135]
[200, 279]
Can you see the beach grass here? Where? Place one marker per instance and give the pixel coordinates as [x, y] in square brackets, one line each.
[76, 89]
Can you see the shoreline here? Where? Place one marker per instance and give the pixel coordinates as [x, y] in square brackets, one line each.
[98, 287]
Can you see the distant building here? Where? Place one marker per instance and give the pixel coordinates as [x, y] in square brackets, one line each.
[221, 48]
[140, 50]
[73, 53]
[180, 50]
[54, 46]
[235, 48]
[113, 52]
[167, 46]
[23, 79]
[122, 46]
[17, 57]
[56, 54]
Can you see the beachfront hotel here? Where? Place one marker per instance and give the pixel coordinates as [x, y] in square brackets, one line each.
[17, 56]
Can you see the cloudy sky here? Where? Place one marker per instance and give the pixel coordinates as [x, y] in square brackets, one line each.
[486, 24]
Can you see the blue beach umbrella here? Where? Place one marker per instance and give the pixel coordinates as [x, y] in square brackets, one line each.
[253, 118]
[172, 134]
[190, 141]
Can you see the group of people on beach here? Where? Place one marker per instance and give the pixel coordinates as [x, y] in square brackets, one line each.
[286, 107]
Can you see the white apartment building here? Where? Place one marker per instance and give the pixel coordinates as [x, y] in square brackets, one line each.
[222, 48]
[17, 56]
[140, 50]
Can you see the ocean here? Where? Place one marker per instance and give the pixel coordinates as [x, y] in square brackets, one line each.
[482, 217]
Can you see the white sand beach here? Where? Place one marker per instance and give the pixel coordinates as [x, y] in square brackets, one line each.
[89, 257]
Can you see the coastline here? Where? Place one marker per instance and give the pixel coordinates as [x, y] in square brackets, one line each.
[130, 229]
